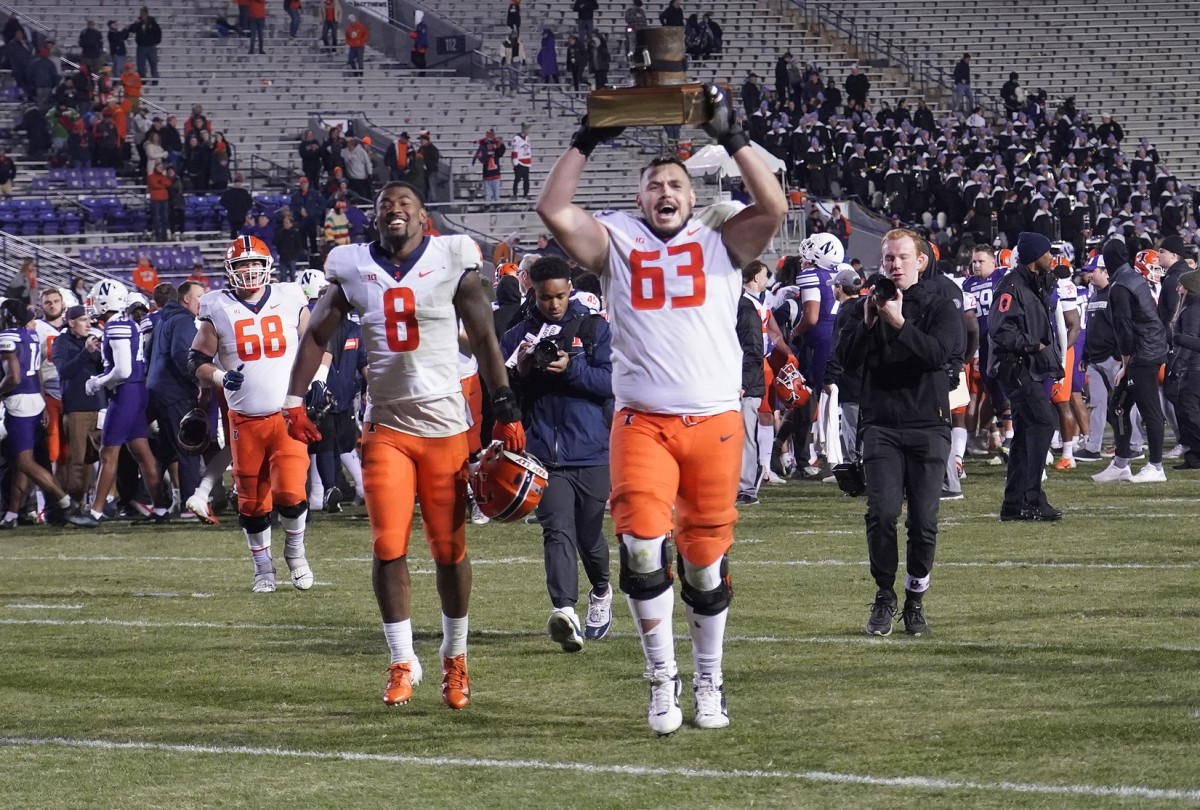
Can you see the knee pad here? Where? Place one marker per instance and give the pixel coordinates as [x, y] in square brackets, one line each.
[254, 523]
[644, 584]
[706, 589]
[293, 511]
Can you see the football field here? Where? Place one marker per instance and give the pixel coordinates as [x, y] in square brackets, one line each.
[1063, 670]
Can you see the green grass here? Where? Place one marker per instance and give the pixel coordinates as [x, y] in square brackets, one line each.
[1061, 655]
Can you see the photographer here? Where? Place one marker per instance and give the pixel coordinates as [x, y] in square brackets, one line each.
[561, 369]
[1025, 359]
[902, 347]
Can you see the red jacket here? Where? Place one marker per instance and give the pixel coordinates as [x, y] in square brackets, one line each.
[158, 184]
[356, 35]
[257, 9]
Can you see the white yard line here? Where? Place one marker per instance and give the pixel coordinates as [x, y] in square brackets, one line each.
[36, 606]
[817, 777]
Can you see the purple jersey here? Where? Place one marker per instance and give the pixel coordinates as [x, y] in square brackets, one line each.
[28, 349]
[982, 288]
[815, 280]
[124, 329]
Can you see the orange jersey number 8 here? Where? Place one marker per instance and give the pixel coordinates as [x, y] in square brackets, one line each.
[649, 277]
[250, 346]
[400, 319]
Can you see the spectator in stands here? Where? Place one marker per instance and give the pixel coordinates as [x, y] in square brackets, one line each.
[243, 20]
[432, 158]
[176, 202]
[237, 202]
[635, 16]
[512, 18]
[292, 7]
[783, 80]
[1010, 94]
[337, 226]
[672, 15]
[117, 48]
[220, 163]
[256, 11]
[43, 77]
[1109, 127]
[195, 163]
[196, 123]
[358, 168]
[575, 61]
[258, 224]
[548, 57]
[839, 226]
[964, 96]
[25, 283]
[522, 160]
[148, 36]
[714, 35]
[152, 147]
[289, 244]
[131, 85]
[356, 43]
[91, 47]
[158, 185]
[331, 15]
[420, 42]
[331, 150]
[8, 173]
[76, 356]
[309, 209]
[512, 62]
[584, 14]
[17, 55]
[310, 157]
[399, 158]
[107, 141]
[751, 93]
[488, 155]
[171, 140]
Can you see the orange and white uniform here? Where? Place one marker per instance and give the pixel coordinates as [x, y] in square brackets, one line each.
[677, 434]
[472, 389]
[269, 466]
[415, 433]
[1068, 301]
[47, 334]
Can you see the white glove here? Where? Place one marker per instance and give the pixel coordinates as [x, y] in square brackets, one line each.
[91, 386]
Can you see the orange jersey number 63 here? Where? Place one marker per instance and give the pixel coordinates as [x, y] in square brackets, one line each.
[649, 276]
[400, 319]
[251, 346]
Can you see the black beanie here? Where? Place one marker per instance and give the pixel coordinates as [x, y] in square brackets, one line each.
[1115, 254]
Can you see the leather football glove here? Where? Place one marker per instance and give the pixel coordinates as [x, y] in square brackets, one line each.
[232, 381]
[722, 125]
[507, 413]
[587, 138]
[91, 386]
[299, 426]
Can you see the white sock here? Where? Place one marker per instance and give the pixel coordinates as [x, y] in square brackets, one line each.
[708, 641]
[316, 489]
[958, 441]
[454, 636]
[652, 618]
[399, 637]
[260, 550]
[64, 502]
[354, 467]
[766, 439]
[9, 517]
[215, 471]
[1069, 450]
[39, 498]
[293, 530]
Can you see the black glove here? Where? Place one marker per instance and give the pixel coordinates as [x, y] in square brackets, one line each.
[722, 125]
[587, 138]
[234, 379]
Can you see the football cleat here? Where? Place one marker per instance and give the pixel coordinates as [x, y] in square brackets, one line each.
[83, 519]
[477, 515]
[302, 575]
[1113, 473]
[1065, 464]
[264, 583]
[333, 501]
[402, 677]
[708, 692]
[563, 627]
[200, 508]
[599, 615]
[456, 684]
[664, 715]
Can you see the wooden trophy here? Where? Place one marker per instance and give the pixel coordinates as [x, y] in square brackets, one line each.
[661, 94]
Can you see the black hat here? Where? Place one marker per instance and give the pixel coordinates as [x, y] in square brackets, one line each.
[1175, 244]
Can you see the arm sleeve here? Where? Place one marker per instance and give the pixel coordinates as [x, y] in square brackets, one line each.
[594, 376]
[122, 363]
[1120, 309]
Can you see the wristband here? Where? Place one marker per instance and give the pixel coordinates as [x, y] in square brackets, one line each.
[504, 405]
[218, 378]
[322, 374]
[290, 402]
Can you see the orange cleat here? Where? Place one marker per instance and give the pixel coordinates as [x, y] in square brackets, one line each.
[402, 677]
[456, 685]
[1065, 464]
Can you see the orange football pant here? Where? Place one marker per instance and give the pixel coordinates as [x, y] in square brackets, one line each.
[472, 391]
[1060, 391]
[399, 469]
[54, 443]
[686, 464]
[269, 466]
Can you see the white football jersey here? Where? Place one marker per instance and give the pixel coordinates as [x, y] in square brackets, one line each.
[673, 310]
[410, 330]
[47, 334]
[263, 336]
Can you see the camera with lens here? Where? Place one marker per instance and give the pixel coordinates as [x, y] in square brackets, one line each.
[884, 290]
[545, 352]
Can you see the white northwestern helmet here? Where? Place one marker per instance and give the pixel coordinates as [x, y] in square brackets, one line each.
[69, 298]
[107, 296]
[823, 250]
[312, 282]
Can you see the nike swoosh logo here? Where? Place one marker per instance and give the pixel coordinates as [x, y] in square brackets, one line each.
[422, 275]
[693, 231]
[727, 438]
[273, 306]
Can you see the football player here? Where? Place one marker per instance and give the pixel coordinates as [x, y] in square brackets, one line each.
[410, 290]
[986, 273]
[125, 419]
[47, 327]
[21, 393]
[1064, 306]
[672, 280]
[253, 328]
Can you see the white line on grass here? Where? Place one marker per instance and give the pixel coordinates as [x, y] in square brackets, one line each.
[34, 606]
[852, 640]
[820, 777]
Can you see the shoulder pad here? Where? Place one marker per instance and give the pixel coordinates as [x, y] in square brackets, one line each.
[465, 252]
[714, 216]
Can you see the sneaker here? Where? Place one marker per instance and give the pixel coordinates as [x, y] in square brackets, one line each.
[958, 466]
[563, 628]
[664, 715]
[1083, 454]
[772, 478]
[1149, 475]
[746, 500]
[977, 447]
[1042, 512]
[708, 692]
[264, 583]
[1008, 512]
[333, 500]
[883, 613]
[1065, 464]
[84, 520]
[1175, 452]
[302, 575]
[199, 507]
[914, 618]
[599, 615]
[456, 684]
[152, 519]
[143, 509]
[477, 516]
[947, 495]
[11, 525]
[402, 677]
[1113, 473]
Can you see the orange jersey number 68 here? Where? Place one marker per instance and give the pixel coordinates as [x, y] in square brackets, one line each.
[400, 319]
[649, 277]
[250, 346]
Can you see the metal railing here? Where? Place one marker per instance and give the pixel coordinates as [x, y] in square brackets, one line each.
[53, 268]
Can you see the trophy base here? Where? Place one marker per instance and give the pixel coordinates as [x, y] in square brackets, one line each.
[647, 106]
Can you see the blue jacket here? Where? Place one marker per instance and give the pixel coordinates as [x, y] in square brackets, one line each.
[168, 379]
[566, 416]
[75, 365]
[349, 359]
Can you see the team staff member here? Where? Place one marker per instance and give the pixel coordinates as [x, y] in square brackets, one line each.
[1142, 349]
[1023, 356]
[567, 418]
[903, 346]
[77, 358]
[1184, 375]
[752, 313]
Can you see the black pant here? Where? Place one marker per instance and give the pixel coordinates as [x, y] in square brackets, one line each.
[1143, 377]
[903, 464]
[166, 448]
[1187, 409]
[572, 516]
[520, 175]
[1034, 420]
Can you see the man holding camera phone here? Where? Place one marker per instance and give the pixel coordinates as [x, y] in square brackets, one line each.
[903, 346]
[560, 365]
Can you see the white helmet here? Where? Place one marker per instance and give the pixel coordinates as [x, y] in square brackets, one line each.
[69, 298]
[136, 299]
[823, 250]
[312, 282]
[107, 296]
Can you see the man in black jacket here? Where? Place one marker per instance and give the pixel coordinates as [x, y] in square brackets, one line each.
[148, 36]
[903, 347]
[1183, 378]
[1171, 256]
[752, 313]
